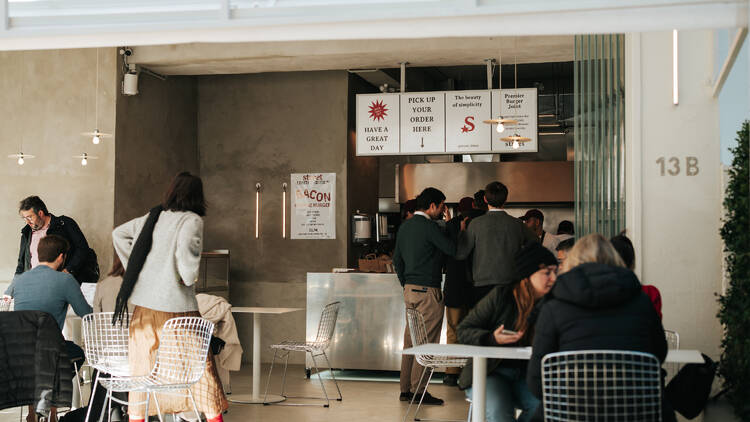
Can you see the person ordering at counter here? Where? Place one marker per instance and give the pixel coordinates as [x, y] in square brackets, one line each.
[418, 260]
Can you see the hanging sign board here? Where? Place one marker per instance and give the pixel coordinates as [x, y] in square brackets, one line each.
[464, 112]
[445, 122]
[423, 123]
[378, 129]
[313, 206]
[521, 105]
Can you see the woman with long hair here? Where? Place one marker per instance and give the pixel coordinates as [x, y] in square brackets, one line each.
[161, 252]
[505, 317]
[596, 304]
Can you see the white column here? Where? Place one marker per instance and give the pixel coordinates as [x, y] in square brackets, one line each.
[633, 148]
[478, 388]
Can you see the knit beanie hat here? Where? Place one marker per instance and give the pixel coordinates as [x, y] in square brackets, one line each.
[531, 257]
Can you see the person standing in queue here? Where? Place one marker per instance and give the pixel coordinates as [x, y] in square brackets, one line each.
[493, 239]
[534, 220]
[418, 259]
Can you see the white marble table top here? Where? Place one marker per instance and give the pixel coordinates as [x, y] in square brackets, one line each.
[263, 310]
[463, 350]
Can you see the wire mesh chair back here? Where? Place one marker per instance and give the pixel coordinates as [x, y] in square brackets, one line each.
[105, 344]
[673, 342]
[327, 325]
[183, 347]
[418, 333]
[601, 385]
[6, 305]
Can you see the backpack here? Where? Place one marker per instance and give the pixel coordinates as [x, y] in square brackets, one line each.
[688, 391]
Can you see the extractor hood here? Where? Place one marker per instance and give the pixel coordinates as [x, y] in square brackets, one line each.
[529, 182]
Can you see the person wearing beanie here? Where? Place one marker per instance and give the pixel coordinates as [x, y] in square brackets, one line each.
[505, 317]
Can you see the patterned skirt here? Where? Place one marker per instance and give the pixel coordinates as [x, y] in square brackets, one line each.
[145, 326]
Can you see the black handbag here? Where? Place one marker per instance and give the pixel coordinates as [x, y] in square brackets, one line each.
[688, 391]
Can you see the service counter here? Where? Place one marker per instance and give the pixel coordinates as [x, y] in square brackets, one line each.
[370, 328]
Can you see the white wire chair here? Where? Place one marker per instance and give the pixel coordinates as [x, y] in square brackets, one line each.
[601, 385]
[106, 347]
[418, 333]
[326, 327]
[180, 363]
[673, 342]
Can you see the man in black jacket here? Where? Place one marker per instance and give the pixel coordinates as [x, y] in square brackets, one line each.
[418, 259]
[81, 260]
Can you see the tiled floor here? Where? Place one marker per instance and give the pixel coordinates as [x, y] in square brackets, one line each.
[363, 401]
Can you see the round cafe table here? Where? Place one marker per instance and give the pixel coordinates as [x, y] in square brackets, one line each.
[255, 397]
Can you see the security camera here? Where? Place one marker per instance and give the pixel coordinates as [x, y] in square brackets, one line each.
[127, 52]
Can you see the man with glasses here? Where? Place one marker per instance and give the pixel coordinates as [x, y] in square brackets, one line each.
[81, 260]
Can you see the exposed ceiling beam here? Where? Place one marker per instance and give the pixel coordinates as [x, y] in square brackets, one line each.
[726, 68]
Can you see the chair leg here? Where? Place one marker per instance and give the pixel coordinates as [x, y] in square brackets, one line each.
[91, 396]
[320, 379]
[148, 401]
[468, 417]
[283, 377]
[107, 399]
[268, 381]
[421, 377]
[109, 410]
[195, 406]
[419, 406]
[158, 409]
[336, 383]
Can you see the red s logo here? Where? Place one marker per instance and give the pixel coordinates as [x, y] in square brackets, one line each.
[469, 126]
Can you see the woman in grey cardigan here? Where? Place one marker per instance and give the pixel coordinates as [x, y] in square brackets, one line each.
[161, 252]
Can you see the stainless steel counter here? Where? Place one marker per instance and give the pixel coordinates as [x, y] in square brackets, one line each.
[370, 328]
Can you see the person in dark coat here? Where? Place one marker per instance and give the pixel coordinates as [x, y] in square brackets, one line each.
[509, 307]
[596, 304]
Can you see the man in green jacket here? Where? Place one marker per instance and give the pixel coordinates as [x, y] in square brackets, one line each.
[418, 259]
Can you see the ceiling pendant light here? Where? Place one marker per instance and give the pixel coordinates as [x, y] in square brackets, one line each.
[85, 158]
[516, 140]
[96, 136]
[500, 121]
[21, 157]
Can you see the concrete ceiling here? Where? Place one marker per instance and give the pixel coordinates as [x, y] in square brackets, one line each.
[233, 58]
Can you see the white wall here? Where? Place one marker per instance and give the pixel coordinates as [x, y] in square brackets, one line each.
[675, 220]
[47, 101]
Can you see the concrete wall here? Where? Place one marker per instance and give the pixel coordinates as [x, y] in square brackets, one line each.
[261, 128]
[48, 99]
[675, 219]
[157, 138]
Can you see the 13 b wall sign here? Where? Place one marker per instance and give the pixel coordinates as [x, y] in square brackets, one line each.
[672, 166]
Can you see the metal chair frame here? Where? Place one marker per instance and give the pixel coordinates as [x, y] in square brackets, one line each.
[180, 363]
[595, 385]
[673, 342]
[418, 333]
[316, 348]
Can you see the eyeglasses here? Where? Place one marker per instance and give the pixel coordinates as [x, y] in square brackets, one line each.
[28, 217]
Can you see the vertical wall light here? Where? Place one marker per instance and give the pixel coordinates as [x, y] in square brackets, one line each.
[257, 210]
[675, 68]
[283, 210]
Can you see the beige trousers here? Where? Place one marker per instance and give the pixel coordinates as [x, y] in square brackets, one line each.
[430, 303]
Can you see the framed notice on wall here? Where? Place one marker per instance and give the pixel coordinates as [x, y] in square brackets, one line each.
[313, 205]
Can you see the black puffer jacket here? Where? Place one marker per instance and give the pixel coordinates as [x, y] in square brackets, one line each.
[478, 327]
[33, 360]
[591, 307]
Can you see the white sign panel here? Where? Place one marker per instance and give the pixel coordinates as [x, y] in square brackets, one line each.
[464, 113]
[517, 104]
[423, 123]
[313, 206]
[377, 124]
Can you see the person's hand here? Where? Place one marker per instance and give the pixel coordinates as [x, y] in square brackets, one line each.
[464, 222]
[501, 338]
[447, 214]
[65, 270]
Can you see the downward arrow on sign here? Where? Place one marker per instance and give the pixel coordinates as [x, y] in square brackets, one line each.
[422, 143]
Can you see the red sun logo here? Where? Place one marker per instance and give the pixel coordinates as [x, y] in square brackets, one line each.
[378, 110]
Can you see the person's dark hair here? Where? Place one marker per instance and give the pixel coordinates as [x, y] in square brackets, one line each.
[50, 247]
[624, 248]
[33, 202]
[117, 269]
[410, 206]
[479, 200]
[496, 194]
[185, 194]
[566, 244]
[565, 227]
[428, 197]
